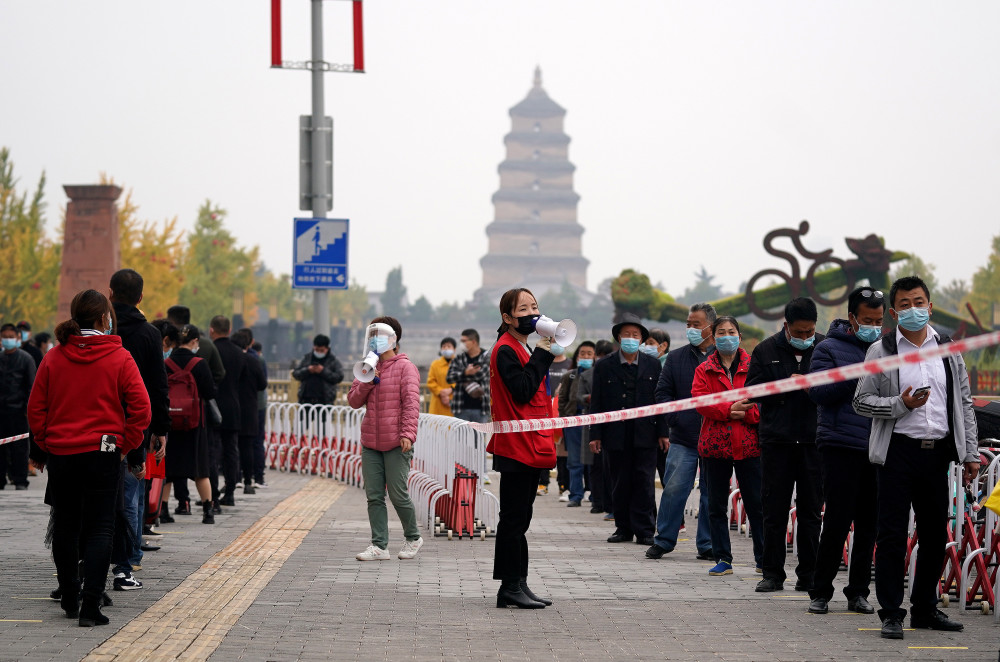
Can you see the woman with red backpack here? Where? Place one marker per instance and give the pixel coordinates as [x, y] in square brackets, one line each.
[191, 392]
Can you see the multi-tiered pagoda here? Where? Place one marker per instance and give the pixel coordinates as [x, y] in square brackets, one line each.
[535, 240]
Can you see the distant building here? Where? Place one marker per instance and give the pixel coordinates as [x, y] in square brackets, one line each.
[535, 239]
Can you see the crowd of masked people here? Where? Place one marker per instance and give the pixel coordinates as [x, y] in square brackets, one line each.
[854, 454]
[112, 400]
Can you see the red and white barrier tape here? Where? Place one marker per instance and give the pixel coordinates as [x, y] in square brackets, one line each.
[796, 383]
[18, 437]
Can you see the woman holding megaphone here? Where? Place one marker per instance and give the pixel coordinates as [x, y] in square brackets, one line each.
[517, 391]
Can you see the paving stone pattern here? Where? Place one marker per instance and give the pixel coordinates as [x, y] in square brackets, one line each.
[321, 604]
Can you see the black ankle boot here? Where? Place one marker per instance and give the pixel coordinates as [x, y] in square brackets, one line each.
[208, 517]
[165, 516]
[216, 508]
[90, 612]
[511, 595]
[528, 592]
[70, 604]
[183, 508]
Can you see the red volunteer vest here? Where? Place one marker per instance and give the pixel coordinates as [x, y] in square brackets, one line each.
[535, 449]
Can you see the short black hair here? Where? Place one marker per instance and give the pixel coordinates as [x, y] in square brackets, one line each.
[449, 339]
[188, 332]
[8, 327]
[867, 296]
[168, 331]
[471, 334]
[126, 286]
[220, 324]
[800, 308]
[257, 347]
[240, 339]
[247, 330]
[907, 283]
[179, 315]
[604, 347]
[42, 338]
[660, 336]
[585, 343]
[719, 321]
[321, 341]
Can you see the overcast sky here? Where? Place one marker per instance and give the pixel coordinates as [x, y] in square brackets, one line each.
[696, 126]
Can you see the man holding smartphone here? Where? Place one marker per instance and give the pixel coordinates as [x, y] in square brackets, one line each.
[922, 419]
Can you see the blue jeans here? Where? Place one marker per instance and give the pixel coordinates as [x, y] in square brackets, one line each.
[134, 491]
[573, 438]
[682, 463]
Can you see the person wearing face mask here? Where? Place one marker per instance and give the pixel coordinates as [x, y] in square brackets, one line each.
[676, 379]
[517, 384]
[656, 346]
[470, 373]
[922, 419]
[24, 336]
[569, 405]
[728, 442]
[437, 380]
[842, 439]
[318, 374]
[561, 366]
[88, 408]
[17, 374]
[789, 459]
[626, 380]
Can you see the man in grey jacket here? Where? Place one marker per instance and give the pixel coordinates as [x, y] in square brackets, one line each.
[922, 419]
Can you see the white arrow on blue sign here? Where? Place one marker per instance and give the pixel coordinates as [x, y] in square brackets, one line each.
[320, 254]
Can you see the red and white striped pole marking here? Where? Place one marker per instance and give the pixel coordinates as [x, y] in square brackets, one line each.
[18, 437]
[795, 383]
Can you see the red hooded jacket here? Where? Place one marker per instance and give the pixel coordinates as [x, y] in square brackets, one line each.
[722, 437]
[84, 389]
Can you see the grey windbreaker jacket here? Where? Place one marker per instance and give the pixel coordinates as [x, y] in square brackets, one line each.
[877, 397]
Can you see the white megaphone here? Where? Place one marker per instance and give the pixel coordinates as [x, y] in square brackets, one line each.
[564, 332]
[364, 370]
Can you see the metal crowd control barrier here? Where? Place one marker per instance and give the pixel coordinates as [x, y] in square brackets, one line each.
[447, 472]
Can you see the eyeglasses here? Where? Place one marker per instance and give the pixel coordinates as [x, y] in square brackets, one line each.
[871, 294]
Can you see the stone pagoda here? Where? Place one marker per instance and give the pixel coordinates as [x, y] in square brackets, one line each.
[535, 239]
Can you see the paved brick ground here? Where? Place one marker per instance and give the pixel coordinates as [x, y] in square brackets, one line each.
[611, 602]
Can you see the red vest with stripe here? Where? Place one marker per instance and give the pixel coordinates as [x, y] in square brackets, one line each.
[535, 449]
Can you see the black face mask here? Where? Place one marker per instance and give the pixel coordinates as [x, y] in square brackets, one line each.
[526, 324]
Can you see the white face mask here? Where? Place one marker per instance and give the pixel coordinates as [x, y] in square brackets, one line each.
[195, 349]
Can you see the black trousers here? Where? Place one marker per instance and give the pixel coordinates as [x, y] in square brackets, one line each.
[246, 447]
[918, 477]
[180, 487]
[600, 483]
[517, 497]
[230, 450]
[850, 487]
[259, 456]
[83, 492]
[784, 467]
[214, 462]
[661, 463]
[13, 456]
[633, 472]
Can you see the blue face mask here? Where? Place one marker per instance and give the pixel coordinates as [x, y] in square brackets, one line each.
[447, 353]
[630, 345]
[914, 319]
[585, 364]
[649, 350]
[25, 335]
[379, 345]
[557, 350]
[727, 344]
[166, 354]
[694, 337]
[869, 334]
[797, 343]
[9, 343]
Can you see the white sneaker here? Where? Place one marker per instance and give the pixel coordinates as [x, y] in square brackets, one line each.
[374, 553]
[410, 548]
[564, 496]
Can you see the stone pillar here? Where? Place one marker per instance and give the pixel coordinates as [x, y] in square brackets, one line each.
[91, 251]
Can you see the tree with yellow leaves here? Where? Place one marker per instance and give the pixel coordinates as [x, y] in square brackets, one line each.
[29, 261]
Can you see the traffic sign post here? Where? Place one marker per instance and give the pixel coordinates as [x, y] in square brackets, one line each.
[319, 247]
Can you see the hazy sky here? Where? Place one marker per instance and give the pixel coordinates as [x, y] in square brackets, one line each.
[696, 126]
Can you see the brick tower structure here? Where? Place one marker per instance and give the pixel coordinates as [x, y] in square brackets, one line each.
[535, 239]
[91, 252]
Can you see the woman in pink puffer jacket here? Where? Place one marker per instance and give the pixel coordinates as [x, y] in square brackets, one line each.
[388, 431]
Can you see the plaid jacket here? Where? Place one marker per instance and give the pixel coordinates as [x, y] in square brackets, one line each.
[457, 376]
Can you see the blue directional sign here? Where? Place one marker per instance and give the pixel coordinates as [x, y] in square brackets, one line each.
[320, 254]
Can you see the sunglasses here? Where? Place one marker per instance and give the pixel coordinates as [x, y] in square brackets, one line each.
[871, 294]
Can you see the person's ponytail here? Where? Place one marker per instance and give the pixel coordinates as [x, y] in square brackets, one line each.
[65, 330]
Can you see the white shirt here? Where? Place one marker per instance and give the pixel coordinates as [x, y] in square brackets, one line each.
[931, 420]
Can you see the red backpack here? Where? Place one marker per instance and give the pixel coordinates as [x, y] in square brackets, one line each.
[185, 405]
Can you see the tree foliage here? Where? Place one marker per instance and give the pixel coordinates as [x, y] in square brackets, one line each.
[29, 261]
[703, 289]
[395, 294]
[915, 266]
[986, 286]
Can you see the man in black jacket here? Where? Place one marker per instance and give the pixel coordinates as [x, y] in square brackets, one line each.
[24, 333]
[17, 375]
[256, 381]
[145, 344]
[625, 380]
[789, 459]
[318, 374]
[227, 434]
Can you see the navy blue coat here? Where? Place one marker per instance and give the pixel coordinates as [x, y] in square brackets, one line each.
[838, 424]
[675, 384]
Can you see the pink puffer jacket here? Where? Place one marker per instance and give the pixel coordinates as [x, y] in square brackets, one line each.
[393, 405]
